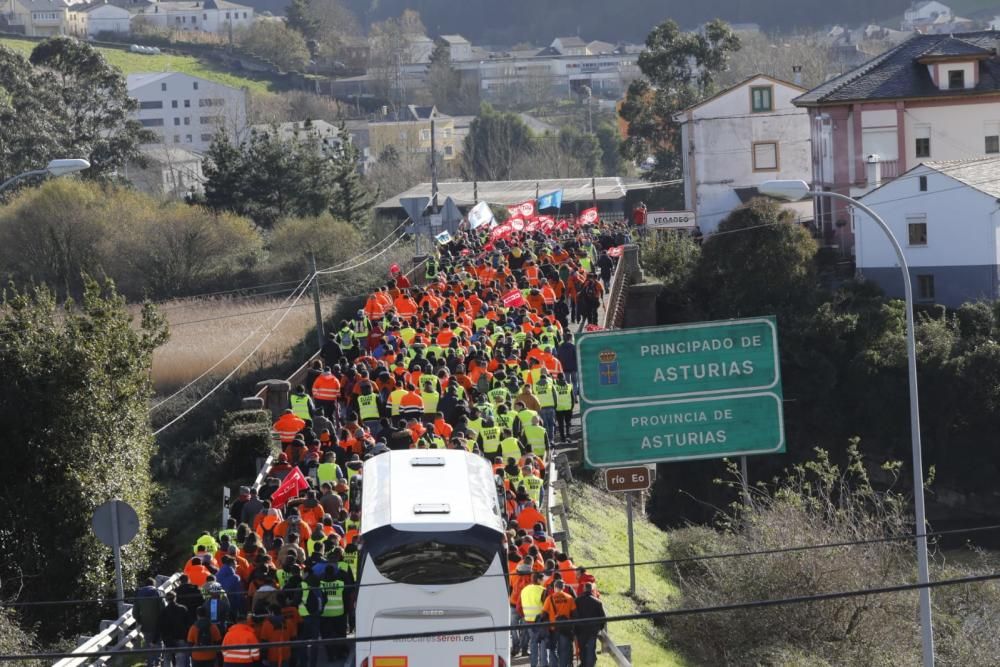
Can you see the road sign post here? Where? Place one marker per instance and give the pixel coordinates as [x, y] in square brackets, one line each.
[631, 544]
[679, 393]
[116, 524]
[628, 481]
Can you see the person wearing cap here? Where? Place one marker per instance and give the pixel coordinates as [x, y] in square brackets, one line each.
[202, 632]
[217, 605]
[241, 634]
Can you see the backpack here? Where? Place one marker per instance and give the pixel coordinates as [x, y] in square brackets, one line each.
[204, 634]
[268, 537]
[590, 290]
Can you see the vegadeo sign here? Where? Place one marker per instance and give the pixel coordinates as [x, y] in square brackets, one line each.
[675, 361]
[670, 219]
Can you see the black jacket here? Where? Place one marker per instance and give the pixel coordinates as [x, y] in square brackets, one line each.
[189, 596]
[589, 607]
[174, 622]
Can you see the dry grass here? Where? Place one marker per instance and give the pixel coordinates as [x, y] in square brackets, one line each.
[203, 331]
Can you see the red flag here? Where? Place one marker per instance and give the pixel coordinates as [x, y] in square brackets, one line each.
[513, 299]
[394, 269]
[616, 251]
[546, 223]
[532, 226]
[588, 216]
[290, 487]
[501, 232]
[562, 225]
[525, 209]
[516, 224]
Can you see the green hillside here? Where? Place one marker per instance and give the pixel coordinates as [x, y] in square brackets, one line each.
[598, 535]
[134, 63]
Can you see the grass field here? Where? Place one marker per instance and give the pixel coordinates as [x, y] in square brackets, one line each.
[204, 331]
[598, 535]
[134, 63]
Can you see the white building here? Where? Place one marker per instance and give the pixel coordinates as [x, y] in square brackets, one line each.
[326, 136]
[945, 217]
[90, 20]
[36, 18]
[736, 140]
[459, 47]
[187, 111]
[924, 13]
[216, 16]
[169, 172]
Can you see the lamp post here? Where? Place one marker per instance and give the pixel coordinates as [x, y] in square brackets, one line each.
[53, 168]
[793, 190]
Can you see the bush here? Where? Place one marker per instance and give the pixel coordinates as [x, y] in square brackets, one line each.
[247, 434]
[330, 239]
[671, 257]
[820, 503]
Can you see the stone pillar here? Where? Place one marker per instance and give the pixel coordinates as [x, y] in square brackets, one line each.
[276, 396]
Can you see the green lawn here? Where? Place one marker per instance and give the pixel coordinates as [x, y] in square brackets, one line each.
[598, 534]
[134, 63]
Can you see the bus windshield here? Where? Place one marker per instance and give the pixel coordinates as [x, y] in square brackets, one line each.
[432, 558]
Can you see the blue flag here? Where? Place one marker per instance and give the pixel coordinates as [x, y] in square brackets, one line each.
[550, 200]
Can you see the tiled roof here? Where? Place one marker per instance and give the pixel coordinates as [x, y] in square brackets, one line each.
[982, 174]
[897, 74]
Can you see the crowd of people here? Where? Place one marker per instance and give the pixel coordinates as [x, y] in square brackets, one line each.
[474, 352]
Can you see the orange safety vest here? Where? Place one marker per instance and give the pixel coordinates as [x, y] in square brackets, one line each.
[239, 634]
[326, 387]
[288, 427]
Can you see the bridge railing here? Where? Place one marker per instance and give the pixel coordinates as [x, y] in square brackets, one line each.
[626, 273]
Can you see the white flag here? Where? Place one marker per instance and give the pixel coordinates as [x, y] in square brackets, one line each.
[481, 215]
[443, 237]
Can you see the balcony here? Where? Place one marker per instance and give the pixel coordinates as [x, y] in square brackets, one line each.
[890, 169]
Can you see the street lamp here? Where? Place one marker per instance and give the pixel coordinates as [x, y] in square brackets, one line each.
[793, 190]
[590, 113]
[54, 168]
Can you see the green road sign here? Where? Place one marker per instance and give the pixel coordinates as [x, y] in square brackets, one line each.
[677, 393]
[684, 360]
[683, 430]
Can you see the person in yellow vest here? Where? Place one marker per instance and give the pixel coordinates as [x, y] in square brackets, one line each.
[565, 402]
[489, 439]
[333, 620]
[530, 608]
[327, 471]
[537, 438]
[430, 397]
[532, 484]
[369, 408]
[395, 400]
[545, 391]
[301, 403]
[525, 415]
[510, 447]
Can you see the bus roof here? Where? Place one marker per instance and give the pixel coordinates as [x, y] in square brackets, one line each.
[427, 490]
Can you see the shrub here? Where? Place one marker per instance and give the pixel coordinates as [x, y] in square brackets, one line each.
[671, 257]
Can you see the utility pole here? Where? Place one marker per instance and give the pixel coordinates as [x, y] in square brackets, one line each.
[434, 176]
[319, 310]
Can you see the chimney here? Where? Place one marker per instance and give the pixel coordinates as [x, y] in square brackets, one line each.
[873, 170]
[797, 75]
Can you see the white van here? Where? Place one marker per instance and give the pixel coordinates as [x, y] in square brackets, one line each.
[431, 560]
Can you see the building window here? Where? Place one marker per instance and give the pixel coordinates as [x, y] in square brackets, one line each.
[923, 147]
[244, 14]
[916, 228]
[923, 183]
[196, 85]
[187, 120]
[188, 138]
[925, 287]
[227, 15]
[449, 150]
[425, 135]
[163, 87]
[206, 137]
[204, 17]
[177, 121]
[187, 104]
[151, 104]
[151, 122]
[211, 120]
[993, 143]
[177, 138]
[765, 156]
[956, 78]
[761, 98]
[173, 104]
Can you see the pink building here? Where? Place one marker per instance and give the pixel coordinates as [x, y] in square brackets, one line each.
[933, 97]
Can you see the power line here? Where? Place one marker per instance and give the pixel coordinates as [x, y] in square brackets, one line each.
[360, 264]
[640, 616]
[604, 566]
[365, 252]
[247, 358]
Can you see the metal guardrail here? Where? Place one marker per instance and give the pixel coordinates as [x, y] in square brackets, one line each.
[626, 268]
[118, 634]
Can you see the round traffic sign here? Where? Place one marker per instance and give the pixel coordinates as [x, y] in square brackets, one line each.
[105, 518]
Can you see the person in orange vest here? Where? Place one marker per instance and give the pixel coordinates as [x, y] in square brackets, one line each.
[325, 392]
[276, 628]
[240, 634]
[197, 571]
[288, 426]
[203, 633]
[561, 606]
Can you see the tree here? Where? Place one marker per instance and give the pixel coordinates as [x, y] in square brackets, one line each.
[445, 83]
[612, 163]
[760, 262]
[268, 178]
[29, 136]
[680, 69]
[274, 41]
[299, 16]
[352, 200]
[93, 111]
[331, 240]
[495, 143]
[76, 387]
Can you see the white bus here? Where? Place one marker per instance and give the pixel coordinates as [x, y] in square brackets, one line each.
[431, 560]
